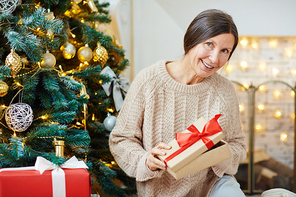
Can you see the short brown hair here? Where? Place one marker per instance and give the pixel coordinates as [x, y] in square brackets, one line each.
[208, 24]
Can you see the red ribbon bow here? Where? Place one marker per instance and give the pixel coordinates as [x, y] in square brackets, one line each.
[185, 140]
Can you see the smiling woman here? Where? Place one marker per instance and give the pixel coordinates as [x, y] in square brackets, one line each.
[167, 97]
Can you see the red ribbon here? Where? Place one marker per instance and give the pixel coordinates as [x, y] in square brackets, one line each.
[185, 140]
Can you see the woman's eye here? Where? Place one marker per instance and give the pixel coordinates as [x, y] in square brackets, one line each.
[209, 44]
[224, 51]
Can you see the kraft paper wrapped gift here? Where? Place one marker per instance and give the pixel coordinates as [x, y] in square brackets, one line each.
[195, 149]
[71, 181]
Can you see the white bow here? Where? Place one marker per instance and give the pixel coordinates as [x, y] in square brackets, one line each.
[57, 173]
[120, 85]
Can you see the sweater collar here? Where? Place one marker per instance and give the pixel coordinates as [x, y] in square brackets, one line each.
[170, 83]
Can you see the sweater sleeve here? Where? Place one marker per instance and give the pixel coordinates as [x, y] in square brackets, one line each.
[125, 140]
[234, 136]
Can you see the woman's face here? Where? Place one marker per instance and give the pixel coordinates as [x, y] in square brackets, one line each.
[209, 56]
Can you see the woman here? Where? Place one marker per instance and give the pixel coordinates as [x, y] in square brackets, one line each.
[167, 97]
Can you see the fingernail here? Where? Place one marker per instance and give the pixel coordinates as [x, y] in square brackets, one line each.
[162, 153]
[168, 147]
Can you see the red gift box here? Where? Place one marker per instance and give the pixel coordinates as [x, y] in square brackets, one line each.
[30, 183]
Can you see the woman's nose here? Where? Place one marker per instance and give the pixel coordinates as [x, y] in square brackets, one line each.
[214, 56]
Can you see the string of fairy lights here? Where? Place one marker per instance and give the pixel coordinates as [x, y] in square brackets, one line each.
[269, 70]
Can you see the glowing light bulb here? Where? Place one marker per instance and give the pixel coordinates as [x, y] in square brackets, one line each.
[93, 117]
[273, 43]
[293, 72]
[258, 127]
[289, 52]
[262, 66]
[255, 44]
[110, 110]
[246, 85]
[262, 88]
[44, 117]
[277, 114]
[113, 162]
[241, 107]
[244, 42]
[261, 107]
[229, 68]
[275, 71]
[292, 116]
[284, 137]
[292, 93]
[243, 65]
[277, 94]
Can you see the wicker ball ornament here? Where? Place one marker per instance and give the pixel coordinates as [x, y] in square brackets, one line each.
[100, 54]
[19, 116]
[8, 5]
[3, 88]
[14, 62]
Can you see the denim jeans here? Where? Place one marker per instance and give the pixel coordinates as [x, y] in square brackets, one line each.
[226, 186]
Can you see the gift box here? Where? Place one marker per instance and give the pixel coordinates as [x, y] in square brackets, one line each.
[31, 183]
[196, 148]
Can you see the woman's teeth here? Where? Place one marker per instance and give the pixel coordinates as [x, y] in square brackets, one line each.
[207, 65]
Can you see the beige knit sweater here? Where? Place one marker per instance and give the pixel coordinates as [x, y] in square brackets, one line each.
[155, 108]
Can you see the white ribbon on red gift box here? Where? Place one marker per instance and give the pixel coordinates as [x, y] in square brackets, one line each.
[57, 173]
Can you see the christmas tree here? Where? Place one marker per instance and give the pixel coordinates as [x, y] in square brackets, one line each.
[60, 86]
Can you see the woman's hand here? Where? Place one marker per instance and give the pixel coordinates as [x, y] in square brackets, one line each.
[152, 161]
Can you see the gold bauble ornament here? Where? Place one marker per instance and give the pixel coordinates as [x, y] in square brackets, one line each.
[3, 88]
[48, 60]
[13, 61]
[92, 6]
[100, 54]
[69, 50]
[84, 53]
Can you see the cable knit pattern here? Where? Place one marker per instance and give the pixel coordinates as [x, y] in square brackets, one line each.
[155, 108]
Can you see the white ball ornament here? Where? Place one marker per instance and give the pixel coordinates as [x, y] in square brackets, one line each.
[109, 122]
[69, 51]
[48, 60]
[84, 53]
[19, 116]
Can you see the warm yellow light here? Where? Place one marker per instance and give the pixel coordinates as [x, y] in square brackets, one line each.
[262, 88]
[244, 42]
[277, 94]
[78, 123]
[63, 74]
[44, 117]
[277, 114]
[100, 81]
[82, 20]
[292, 116]
[261, 107]
[258, 127]
[68, 13]
[93, 117]
[229, 68]
[243, 65]
[262, 66]
[289, 52]
[293, 72]
[241, 107]
[273, 43]
[292, 93]
[37, 5]
[284, 137]
[246, 85]
[255, 44]
[3, 106]
[110, 110]
[86, 63]
[81, 65]
[38, 29]
[275, 71]
[113, 162]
